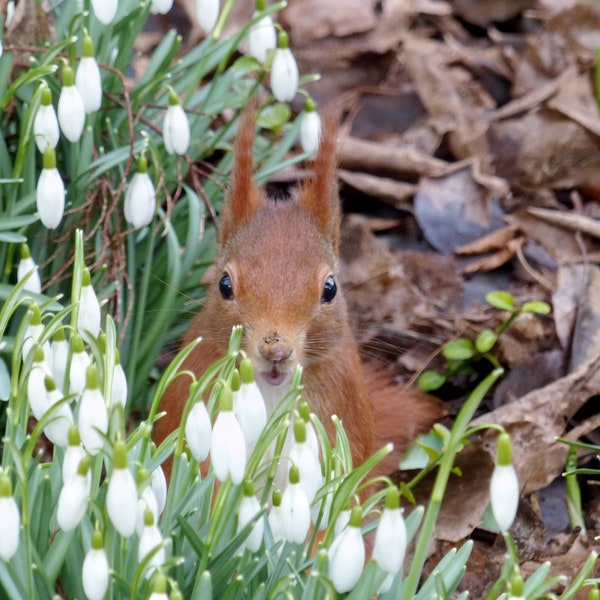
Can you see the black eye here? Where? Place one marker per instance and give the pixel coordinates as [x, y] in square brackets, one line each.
[226, 287]
[329, 290]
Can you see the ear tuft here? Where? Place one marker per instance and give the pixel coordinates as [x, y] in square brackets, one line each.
[243, 197]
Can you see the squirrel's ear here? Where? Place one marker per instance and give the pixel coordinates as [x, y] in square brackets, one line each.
[319, 197]
[243, 197]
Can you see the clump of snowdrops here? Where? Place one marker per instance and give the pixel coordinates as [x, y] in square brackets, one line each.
[135, 165]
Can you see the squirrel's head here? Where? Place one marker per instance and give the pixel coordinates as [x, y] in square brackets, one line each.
[277, 267]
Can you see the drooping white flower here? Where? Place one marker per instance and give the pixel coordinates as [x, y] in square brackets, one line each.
[504, 485]
[45, 123]
[341, 522]
[34, 331]
[118, 390]
[275, 517]
[60, 415]
[176, 127]
[161, 7]
[10, 12]
[93, 416]
[158, 482]
[146, 501]
[249, 406]
[95, 571]
[249, 508]
[88, 80]
[284, 71]
[295, 509]
[50, 192]
[208, 13]
[59, 353]
[36, 389]
[159, 587]
[89, 315]
[262, 36]
[301, 455]
[10, 520]
[73, 498]
[122, 494]
[150, 538]
[390, 540]
[198, 431]
[311, 434]
[140, 197]
[227, 445]
[80, 360]
[310, 127]
[71, 110]
[347, 555]
[105, 10]
[73, 455]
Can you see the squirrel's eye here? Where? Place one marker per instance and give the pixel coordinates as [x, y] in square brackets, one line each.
[329, 290]
[226, 287]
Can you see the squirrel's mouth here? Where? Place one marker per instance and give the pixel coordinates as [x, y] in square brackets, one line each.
[274, 377]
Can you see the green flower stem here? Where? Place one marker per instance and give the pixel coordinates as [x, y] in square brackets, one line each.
[454, 444]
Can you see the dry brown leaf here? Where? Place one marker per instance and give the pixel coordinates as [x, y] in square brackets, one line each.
[571, 221]
[388, 190]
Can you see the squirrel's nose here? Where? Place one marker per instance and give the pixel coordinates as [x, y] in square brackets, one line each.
[275, 349]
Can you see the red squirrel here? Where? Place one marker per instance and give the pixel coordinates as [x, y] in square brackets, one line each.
[277, 275]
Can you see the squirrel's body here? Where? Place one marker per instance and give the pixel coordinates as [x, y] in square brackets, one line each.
[276, 275]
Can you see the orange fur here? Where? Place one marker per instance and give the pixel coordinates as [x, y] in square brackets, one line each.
[278, 256]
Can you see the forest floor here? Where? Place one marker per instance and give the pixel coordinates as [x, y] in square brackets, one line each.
[470, 162]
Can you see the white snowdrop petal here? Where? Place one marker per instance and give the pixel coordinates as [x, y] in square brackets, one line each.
[121, 501]
[79, 364]
[71, 460]
[275, 519]
[34, 283]
[140, 200]
[147, 500]
[161, 7]
[92, 420]
[262, 37]
[71, 113]
[45, 127]
[504, 495]
[310, 131]
[295, 513]
[89, 315]
[250, 411]
[61, 419]
[311, 478]
[198, 431]
[118, 390]
[89, 83]
[95, 574]
[228, 448]
[50, 198]
[59, 350]
[249, 507]
[390, 541]
[149, 539]
[208, 13]
[36, 390]
[176, 130]
[158, 483]
[284, 75]
[105, 10]
[346, 559]
[72, 502]
[10, 526]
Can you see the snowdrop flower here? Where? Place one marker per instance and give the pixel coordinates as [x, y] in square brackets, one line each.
[176, 127]
[95, 571]
[150, 538]
[50, 192]
[341, 522]
[249, 406]
[73, 498]
[140, 197]
[45, 124]
[61, 417]
[161, 7]
[158, 483]
[249, 508]
[310, 127]
[87, 77]
[275, 517]
[10, 520]
[227, 444]
[122, 494]
[159, 588]
[93, 416]
[262, 36]
[198, 431]
[295, 509]
[311, 434]
[284, 71]
[208, 13]
[80, 360]
[390, 539]
[71, 110]
[118, 389]
[73, 455]
[504, 485]
[34, 331]
[59, 354]
[347, 555]
[10, 12]
[146, 501]
[89, 315]
[311, 478]
[36, 389]
[105, 10]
